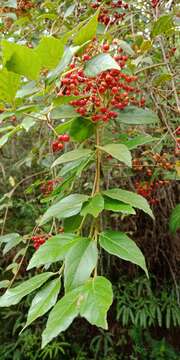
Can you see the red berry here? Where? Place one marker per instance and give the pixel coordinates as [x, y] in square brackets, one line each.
[106, 47]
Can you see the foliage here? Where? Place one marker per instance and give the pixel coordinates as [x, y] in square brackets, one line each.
[74, 103]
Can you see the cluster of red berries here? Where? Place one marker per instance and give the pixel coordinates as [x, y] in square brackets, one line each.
[159, 160]
[101, 95]
[148, 189]
[38, 240]
[109, 12]
[48, 186]
[58, 144]
[155, 3]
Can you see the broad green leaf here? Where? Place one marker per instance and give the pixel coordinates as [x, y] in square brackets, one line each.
[94, 206]
[72, 223]
[69, 11]
[98, 299]
[43, 301]
[91, 300]
[63, 112]
[53, 250]
[88, 31]
[62, 315]
[100, 63]
[72, 156]
[21, 60]
[65, 99]
[131, 198]
[63, 127]
[29, 88]
[139, 141]
[119, 244]
[174, 222]
[132, 115]
[11, 4]
[50, 50]
[11, 240]
[4, 139]
[117, 206]
[66, 207]
[64, 62]
[28, 123]
[14, 295]
[81, 129]
[4, 284]
[9, 84]
[79, 263]
[118, 151]
[163, 26]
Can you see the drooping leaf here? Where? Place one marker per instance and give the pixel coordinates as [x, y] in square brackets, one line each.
[81, 129]
[118, 151]
[66, 207]
[9, 84]
[94, 206]
[43, 301]
[79, 263]
[132, 115]
[88, 31]
[28, 123]
[28, 89]
[64, 112]
[119, 244]
[117, 206]
[21, 60]
[131, 198]
[163, 26]
[11, 240]
[72, 156]
[50, 51]
[174, 222]
[91, 300]
[139, 141]
[98, 299]
[100, 63]
[126, 47]
[72, 223]
[14, 295]
[53, 250]
[62, 315]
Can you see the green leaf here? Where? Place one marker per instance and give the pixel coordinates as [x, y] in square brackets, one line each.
[21, 60]
[65, 99]
[62, 315]
[50, 50]
[163, 26]
[91, 301]
[81, 129]
[139, 141]
[63, 127]
[64, 112]
[53, 250]
[118, 151]
[174, 222]
[117, 206]
[130, 198]
[44, 300]
[69, 206]
[119, 244]
[11, 240]
[29, 88]
[88, 31]
[132, 115]
[69, 11]
[72, 156]
[14, 295]
[79, 263]
[94, 206]
[9, 84]
[100, 63]
[28, 123]
[4, 284]
[72, 223]
[64, 62]
[161, 79]
[98, 299]
[126, 47]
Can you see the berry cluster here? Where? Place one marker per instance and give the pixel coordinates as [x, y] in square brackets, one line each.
[158, 160]
[155, 3]
[149, 189]
[112, 12]
[24, 5]
[100, 96]
[48, 186]
[38, 240]
[58, 144]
